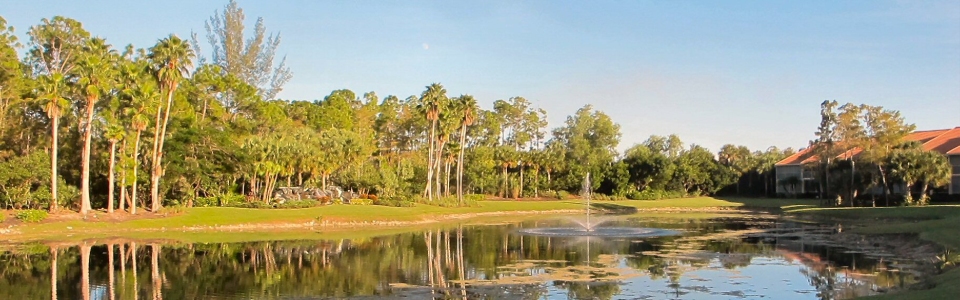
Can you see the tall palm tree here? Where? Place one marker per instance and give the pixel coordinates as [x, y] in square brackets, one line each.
[171, 57]
[467, 109]
[95, 80]
[431, 102]
[52, 87]
[139, 123]
[114, 134]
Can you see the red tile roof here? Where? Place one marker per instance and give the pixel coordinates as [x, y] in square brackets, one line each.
[946, 141]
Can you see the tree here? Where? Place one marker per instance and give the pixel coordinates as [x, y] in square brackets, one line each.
[11, 73]
[824, 146]
[54, 104]
[913, 165]
[249, 59]
[738, 159]
[648, 168]
[466, 107]
[433, 99]
[96, 79]
[114, 134]
[590, 138]
[171, 58]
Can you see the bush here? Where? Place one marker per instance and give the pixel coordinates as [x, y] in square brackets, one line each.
[560, 195]
[172, 209]
[394, 202]
[32, 215]
[227, 200]
[361, 202]
[3, 216]
[653, 195]
[297, 204]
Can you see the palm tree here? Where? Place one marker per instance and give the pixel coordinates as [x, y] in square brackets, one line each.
[171, 57]
[114, 134]
[467, 108]
[431, 101]
[52, 87]
[139, 123]
[95, 76]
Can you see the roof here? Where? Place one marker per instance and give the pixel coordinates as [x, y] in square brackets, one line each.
[946, 141]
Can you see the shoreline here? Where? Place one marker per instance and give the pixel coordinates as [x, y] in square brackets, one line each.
[345, 218]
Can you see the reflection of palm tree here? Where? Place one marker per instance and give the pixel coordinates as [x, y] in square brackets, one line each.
[54, 252]
[155, 271]
[85, 270]
[110, 263]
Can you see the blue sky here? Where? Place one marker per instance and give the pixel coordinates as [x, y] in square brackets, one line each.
[714, 72]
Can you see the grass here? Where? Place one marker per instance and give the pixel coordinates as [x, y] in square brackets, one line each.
[212, 217]
[936, 223]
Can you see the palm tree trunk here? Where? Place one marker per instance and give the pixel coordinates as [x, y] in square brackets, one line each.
[428, 189]
[111, 179]
[520, 194]
[463, 131]
[53, 165]
[136, 166]
[438, 165]
[157, 165]
[886, 186]
[85, 159]
[123, 179]
[446, 182]
[154, 179]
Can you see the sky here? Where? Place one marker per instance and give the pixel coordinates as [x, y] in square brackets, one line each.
[714, 72]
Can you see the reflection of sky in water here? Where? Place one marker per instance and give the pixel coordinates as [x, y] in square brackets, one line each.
[767, 277]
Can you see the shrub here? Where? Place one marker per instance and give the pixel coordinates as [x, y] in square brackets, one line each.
[298, 204]
[173, 209]
[653, 195]
[227, 200]
[394, 202]
[361, 202]
[206, 202]
[560, 195]
[3, 216]
[31, 215]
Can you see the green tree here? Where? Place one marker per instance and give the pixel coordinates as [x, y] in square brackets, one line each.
[431, 102]
[54, 104]
[96, 79]
[466, 107]
[171, 58]
[590, 138]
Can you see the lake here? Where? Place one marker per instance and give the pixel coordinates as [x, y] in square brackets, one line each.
[741, 256]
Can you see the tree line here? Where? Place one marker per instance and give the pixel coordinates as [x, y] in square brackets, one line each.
[84, 125]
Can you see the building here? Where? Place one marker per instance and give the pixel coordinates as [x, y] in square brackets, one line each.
[945, 141]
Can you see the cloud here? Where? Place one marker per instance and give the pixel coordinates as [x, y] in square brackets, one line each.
[426, 46]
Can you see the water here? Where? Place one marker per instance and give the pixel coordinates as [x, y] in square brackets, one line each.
[718, 258]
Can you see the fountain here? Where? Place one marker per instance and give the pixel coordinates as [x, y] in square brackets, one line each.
[589, 227]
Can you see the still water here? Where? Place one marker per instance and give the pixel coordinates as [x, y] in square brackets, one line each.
[711, 258]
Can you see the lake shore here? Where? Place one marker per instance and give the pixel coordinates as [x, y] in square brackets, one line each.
[71, 226]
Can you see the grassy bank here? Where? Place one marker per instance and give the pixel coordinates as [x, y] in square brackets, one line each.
[939, 224]
[195, 223]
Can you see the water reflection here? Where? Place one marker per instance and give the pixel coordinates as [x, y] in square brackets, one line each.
[718, 258]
